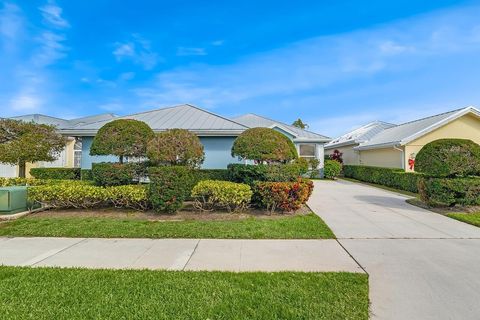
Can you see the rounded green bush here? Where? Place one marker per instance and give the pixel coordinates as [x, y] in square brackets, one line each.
[122, 138]
[209, 194]
[449, 158]
[264, 144]
[332, 169]
[176, 147]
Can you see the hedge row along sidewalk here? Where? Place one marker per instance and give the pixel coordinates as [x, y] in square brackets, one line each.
[46, 293]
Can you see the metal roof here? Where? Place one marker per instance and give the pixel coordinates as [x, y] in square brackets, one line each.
[252, 121]
[62, 123]
[359, 135]
[185, 116]
[406, 132]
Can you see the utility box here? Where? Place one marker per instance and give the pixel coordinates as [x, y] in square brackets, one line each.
[13, 199]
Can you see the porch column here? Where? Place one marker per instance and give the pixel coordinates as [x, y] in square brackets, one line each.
[320, 155]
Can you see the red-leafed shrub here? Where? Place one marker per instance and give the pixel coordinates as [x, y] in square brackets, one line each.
[284, 196]
[337, 156]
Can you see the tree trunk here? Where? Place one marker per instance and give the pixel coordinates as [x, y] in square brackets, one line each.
[21, 169]
[121, 159]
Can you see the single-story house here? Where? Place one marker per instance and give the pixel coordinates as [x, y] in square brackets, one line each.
[382, 144]
[217, 134]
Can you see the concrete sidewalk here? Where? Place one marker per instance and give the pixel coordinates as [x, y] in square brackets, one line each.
[178, 254]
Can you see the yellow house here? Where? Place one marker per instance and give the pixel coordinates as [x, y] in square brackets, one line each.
[396, 146]
[69, 157]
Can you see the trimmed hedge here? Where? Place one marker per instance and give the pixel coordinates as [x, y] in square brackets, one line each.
[9, 182]
[449, 158]
[332, 169]
[249, 174]
[169, 187]
[118, 174]
[84, 195]
[86, 174]
[285, 196]
[56, 173]
[449, 192]
[390, 177]
[211, 194]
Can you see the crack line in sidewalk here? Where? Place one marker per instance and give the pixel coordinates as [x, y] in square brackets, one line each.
[351, 256]
[60, 251]
[193, 252]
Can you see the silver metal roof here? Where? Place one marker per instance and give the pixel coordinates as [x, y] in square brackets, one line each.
[185, 116]
[359, 135]
[253, 121]
[406, 132]
[62, 123]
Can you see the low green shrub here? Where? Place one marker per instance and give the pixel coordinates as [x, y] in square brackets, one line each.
[211, 194]
[249, 174]
[332, 169]
[284, 196]
[169, 187]
[56, 173]
[118, 174]
[209, 174]
[67, 195]
[449, 191]
[8, 182]
[84, 195]
[390, 177]
[129, 196]
[86, 174]
[449, 158]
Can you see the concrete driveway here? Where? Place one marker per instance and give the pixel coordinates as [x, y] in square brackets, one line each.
[422, 265]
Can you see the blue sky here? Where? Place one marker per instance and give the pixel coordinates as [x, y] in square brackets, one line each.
[335, 64]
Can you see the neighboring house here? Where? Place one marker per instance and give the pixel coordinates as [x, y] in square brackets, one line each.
[348, 141]
[70, 156]
[397, 146]
[216, 133]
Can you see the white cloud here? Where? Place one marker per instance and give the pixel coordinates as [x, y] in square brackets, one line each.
[320, 63]
[25, 102]
[52, 15]
[185, 51]
[11, 22]
[138, 50]
[217, 43]
[52, 49]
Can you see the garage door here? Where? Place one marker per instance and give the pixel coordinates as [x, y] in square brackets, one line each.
[7, 171]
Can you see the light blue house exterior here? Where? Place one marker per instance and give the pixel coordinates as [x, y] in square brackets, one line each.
[216, 133]
[217, 153]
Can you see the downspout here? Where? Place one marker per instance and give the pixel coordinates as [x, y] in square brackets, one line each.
[403, 155]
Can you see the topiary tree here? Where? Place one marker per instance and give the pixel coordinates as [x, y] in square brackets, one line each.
[449, 158]
[22, 142]
[176, 147]
[122, 138]
[299, 124]
[264, 145]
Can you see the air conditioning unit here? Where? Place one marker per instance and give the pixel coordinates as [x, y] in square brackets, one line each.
[13, 200]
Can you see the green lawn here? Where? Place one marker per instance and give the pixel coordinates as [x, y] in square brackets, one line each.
[471, 218]
[54, 293]
[308, 226]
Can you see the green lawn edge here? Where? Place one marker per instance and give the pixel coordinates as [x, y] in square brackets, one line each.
[308, 226]
[470, 218]
[56, 293]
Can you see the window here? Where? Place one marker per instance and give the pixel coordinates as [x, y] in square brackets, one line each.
[77, 153]
[307, 150]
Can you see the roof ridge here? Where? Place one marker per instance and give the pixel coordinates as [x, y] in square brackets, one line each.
[435, 115]
[215, 114]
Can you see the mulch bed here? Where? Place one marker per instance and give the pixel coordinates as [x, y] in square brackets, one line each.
[187, 213]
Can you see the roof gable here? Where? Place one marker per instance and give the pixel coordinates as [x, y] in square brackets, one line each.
[359, 135]
[409, 131]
